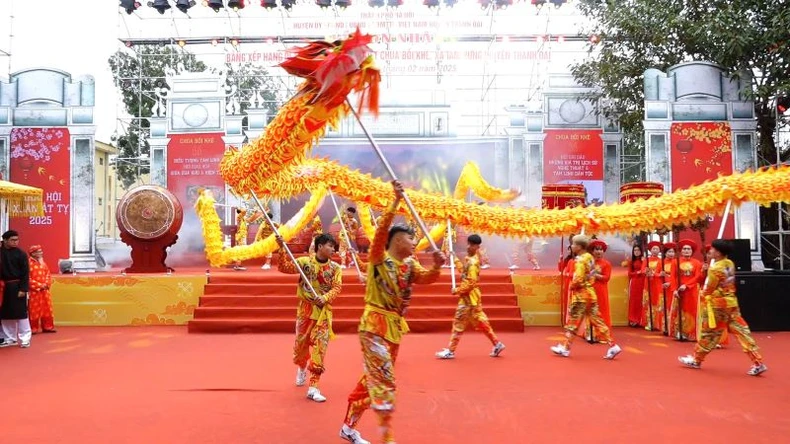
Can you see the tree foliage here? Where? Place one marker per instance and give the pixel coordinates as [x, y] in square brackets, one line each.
[743, 36]
[138, 72]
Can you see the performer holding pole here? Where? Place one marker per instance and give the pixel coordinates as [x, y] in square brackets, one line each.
[584, 302]
[470, 307]
[391, 272]
[451, 253]
[346, 236]
[320, 281]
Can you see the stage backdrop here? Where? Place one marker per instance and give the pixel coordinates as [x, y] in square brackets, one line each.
[574, 156]
[40, 157]
[700, 152]
[423, 165]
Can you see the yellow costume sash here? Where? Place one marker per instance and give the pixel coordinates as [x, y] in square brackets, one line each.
[404, 326]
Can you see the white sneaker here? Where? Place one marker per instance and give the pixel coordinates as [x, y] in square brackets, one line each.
[352, 435]
[757, 369]
[445, 354]
[485, 267]
[613, 351]
[513, 267]
[497, 349]
[301, 376]
[266, 267]
[314, 394]
[8, 343]
[25, 344]
[560, 350]
[688, 361]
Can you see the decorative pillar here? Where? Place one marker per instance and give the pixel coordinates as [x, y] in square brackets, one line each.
[157, 142]
[698, 124]
[567, 142]
[47, 141]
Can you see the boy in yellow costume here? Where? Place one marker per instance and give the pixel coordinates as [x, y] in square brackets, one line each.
[391, 271]
[313, 315]
[584, 302]
[470, 307]
[720, 303]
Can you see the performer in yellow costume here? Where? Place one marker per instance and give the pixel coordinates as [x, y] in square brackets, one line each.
[584, 302]
[390, 274]
[351, 225]
[241, 234]
[313, 315]
[265, 231]
[470, 307]
[720, 312]
[316, 229]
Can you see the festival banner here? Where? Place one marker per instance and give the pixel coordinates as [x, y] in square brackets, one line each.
[702, 151]
[193, 163]
[40, 157]
[574, 156]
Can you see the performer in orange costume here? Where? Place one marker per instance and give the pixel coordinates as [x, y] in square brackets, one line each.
[669, 283]
[721, 310]
[313, 315]
[584, 304]
[316, 229]
[566, 267]
[653, 316]
[391, 272]
[602, 273]
[470, 307]
[526, 247]
[684, 299]
[40, 312]
[351, 225]
[636, 285]
[264, 231]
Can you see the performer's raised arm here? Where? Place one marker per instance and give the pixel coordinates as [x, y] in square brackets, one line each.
[378, 246]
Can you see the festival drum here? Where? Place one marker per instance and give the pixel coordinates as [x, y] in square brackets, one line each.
[149, 212]
[562, 196]
[631, 192]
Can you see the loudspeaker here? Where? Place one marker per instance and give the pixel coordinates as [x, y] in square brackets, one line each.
[763, 300]
[741, 254]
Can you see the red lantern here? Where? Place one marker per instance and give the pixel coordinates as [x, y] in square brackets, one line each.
[684, 146]
[631, 192]
[26, 164]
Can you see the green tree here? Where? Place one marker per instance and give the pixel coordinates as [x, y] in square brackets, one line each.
[250, 78]
[137, 73]
[634, 35]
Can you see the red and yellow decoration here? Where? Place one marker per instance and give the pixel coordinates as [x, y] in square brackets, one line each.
[634, 191]
[276, 165]
[562, 196]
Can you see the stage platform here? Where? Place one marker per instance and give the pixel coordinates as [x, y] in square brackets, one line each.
[113, 299]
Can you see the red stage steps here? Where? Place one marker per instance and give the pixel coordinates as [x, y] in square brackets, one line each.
[256, 301]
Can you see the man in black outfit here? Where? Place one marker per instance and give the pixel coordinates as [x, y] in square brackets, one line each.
[15, 274]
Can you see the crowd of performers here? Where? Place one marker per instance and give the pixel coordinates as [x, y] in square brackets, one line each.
[676, 289]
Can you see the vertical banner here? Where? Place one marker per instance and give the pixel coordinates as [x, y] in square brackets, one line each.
[574, 156]
[193, 163]
[40, 157]
[700, 152]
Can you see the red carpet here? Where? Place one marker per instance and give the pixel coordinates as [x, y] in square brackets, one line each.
[256, 301]
[161, 385]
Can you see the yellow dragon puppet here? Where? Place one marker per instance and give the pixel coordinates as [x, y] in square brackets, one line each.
[276, 165]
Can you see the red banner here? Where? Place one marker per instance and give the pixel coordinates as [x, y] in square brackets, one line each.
[700, 152]
[40, 158]
[193, 163]
[574, 156]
